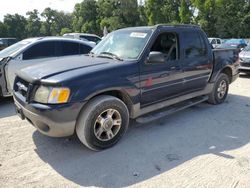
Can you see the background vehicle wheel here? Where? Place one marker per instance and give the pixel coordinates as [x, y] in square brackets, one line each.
[220, 90]
[102, 122]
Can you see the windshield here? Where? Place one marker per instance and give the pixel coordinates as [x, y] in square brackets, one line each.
[15, 47]
[125, 44]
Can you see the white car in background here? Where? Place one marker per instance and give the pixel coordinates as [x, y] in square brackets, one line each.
[215, 42]
[34, 51]
[92, 38]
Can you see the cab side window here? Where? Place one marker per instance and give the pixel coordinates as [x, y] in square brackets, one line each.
[167, 44]
[69, 48]
[84, 49]
[194, 45]
[41, 50]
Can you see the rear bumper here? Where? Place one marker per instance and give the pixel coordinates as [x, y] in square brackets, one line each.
[50, 120]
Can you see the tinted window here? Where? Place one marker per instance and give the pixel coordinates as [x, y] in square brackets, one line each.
[194, 47]
[69, 48]
[84, 49]
[218, 41]
[41, 50]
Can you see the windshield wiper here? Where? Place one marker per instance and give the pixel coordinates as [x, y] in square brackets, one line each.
[110, 55]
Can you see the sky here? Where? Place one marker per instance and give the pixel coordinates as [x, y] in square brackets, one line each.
[23, 6]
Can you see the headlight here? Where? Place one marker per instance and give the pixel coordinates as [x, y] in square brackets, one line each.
[52, 95]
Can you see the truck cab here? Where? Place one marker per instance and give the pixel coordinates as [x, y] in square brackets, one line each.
[141, 73]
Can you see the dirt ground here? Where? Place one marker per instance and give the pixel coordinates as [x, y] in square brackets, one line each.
[203, 146]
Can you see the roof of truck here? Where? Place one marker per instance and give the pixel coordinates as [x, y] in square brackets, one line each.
[163, 26]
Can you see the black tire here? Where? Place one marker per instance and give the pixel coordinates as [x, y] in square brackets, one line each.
[88, 121]
[215, 97]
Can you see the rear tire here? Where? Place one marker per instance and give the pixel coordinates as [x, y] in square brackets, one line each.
[102, 123]
[220, 90]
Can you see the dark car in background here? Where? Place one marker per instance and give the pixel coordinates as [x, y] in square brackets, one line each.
[5, 42]
[233, 44]
[34, 51]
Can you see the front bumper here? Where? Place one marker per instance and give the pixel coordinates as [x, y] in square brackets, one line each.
[50, 120]
[244, 67]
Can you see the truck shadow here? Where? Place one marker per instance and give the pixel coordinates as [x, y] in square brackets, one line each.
[152, 149]
[7, 107]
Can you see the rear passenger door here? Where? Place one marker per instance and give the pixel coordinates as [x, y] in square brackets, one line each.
[196, 62]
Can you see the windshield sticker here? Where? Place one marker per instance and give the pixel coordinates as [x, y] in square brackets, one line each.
[138, 35]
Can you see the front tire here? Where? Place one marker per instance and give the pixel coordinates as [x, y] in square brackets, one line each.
[102, 123]
[220, 90]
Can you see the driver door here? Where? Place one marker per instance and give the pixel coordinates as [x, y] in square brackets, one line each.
[162, 80]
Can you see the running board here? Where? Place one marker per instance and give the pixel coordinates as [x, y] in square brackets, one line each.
[171, 109]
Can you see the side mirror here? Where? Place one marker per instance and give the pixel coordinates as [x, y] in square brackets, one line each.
[19, 57]
[156, 57]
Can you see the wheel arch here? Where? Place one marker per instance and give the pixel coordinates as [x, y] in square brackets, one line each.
[229, 72]
[115, 92]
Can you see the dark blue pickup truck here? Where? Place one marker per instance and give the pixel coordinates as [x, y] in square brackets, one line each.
[141, 73]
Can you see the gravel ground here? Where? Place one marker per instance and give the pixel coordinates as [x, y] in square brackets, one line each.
[203, 146]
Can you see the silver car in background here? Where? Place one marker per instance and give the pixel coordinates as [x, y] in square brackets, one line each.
[245, 60]
[34, 51]
[91, 38]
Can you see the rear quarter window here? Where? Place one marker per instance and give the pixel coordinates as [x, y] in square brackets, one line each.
[194, 46]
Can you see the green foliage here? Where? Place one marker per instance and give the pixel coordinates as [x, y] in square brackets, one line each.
[222, 18]
[65, 30]
[33, 23]
[85, 16]
[185, 12]
[15, 25]
[3, 30]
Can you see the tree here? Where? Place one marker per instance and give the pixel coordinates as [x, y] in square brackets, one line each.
[15, 25]
[33, 23]
[230, 15]
[85, 16]
[185, 12]
[55, 21]
[65, 30]
[3, 30]
[162, 11]
[49, 15]
[61, 20]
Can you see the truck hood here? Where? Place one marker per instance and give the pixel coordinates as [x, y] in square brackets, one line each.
[51, 68]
